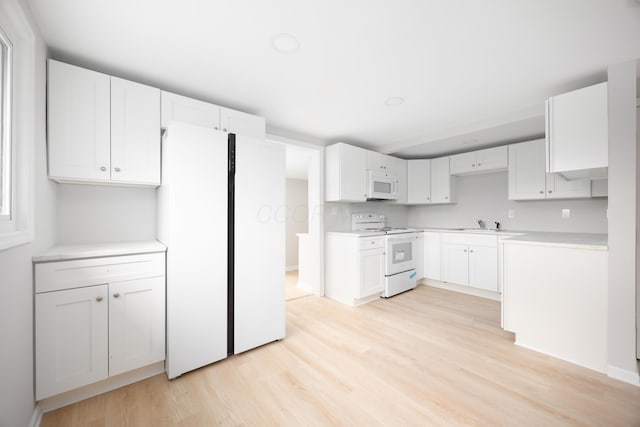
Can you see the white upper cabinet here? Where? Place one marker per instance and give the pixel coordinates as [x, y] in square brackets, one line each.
[381, 163]
[78, 123]
[345, 173]
[402, 181]
[101, 128]
[418, 181]
[199, 113]
[442, 185]
[135, 132]
[528, 180]
[577, 133]
[188, 110]
[488, 160]
[233, 121]
[429, 181]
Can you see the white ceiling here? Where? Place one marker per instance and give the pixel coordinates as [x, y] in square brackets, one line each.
[464, 67]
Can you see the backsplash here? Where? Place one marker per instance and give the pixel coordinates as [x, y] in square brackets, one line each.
[486, 197]
[337, 216]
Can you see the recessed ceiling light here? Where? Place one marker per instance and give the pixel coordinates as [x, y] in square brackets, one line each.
[394, 101]
[285, 43]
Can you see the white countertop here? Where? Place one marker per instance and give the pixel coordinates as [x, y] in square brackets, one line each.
[95, 250]
[582, 240]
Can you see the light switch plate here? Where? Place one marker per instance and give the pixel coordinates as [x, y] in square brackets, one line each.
[566, 213]
[511, 213]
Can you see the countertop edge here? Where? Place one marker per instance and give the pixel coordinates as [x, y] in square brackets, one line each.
[97, 250]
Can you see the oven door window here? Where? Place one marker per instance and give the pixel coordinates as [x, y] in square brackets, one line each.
[401, 252]
[382, 187]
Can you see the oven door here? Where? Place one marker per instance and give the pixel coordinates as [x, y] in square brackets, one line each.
[400, 250]
[381, 186]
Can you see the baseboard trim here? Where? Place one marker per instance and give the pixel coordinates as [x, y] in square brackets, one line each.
[55, 402]
[36, 418]
[582, 364]
[495, 296]
[291, 268]
[624, 375]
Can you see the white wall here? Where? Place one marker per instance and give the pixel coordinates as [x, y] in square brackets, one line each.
[486, 197]
[337, 216]
[16, 283]
[623, 227]
[297, 217]
[93, 213]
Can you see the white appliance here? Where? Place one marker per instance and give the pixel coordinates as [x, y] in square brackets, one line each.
[400, 262]
[217, 209]
[381, 186]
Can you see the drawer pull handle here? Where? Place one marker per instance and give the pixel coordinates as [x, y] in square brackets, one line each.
[116, 295]
[98, 299]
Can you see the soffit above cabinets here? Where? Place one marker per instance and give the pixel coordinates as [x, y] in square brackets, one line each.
[461, 67]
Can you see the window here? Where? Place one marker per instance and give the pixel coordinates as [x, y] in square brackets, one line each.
[6, 188]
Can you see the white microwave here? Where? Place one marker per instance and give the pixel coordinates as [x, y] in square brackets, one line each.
[381, 186]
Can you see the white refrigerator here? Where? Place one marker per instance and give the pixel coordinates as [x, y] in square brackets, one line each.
[221, 214]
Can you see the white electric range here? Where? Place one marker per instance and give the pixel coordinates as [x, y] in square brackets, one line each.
[400, 265]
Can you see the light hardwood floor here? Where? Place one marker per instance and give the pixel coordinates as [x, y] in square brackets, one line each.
[292, 291]
[426, 357]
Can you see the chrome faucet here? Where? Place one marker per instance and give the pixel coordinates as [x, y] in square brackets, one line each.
[482, 225]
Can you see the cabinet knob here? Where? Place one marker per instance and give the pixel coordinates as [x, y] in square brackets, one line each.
[103, 168]
[465, 250]
[479, 164]
[550, 191]
[98, 299]
[473, 165]
[446, 197]
[116, 295]
[215, 127]
[541, 192]
[117, 169]
[428, 198]
[471, 251]
[224, 129]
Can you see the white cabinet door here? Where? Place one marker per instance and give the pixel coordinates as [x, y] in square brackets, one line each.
[483, 268]
[371, 272]
[242, 123]
[381, 163]
[78, 123]
[441, 190]
[135, 132]
[402, 182]
[346, 176]
[71, 333]
[463, 163]
[577, 130]
[188, 110]
[455, 263]
[431, 255]
[491, 159]
[419, 255]
[418, 181]
[560, 188]
[136, 324]
[527, 179]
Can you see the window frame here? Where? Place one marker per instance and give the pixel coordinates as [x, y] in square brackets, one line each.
[7, 153]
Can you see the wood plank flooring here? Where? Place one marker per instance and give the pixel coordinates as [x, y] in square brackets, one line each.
[291, 289]
[426, 357]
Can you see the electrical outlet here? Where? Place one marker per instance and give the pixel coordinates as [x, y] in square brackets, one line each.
[511, 213]
[566, 213]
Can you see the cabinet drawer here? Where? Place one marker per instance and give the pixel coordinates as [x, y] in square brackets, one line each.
[55, 276]
[371, 243]
[470, 239]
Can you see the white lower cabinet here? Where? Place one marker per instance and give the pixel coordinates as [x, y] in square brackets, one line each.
[96, 318]
[431, 255]
[371, 272]
[354, 268]
[71, 339]
[470, 260]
